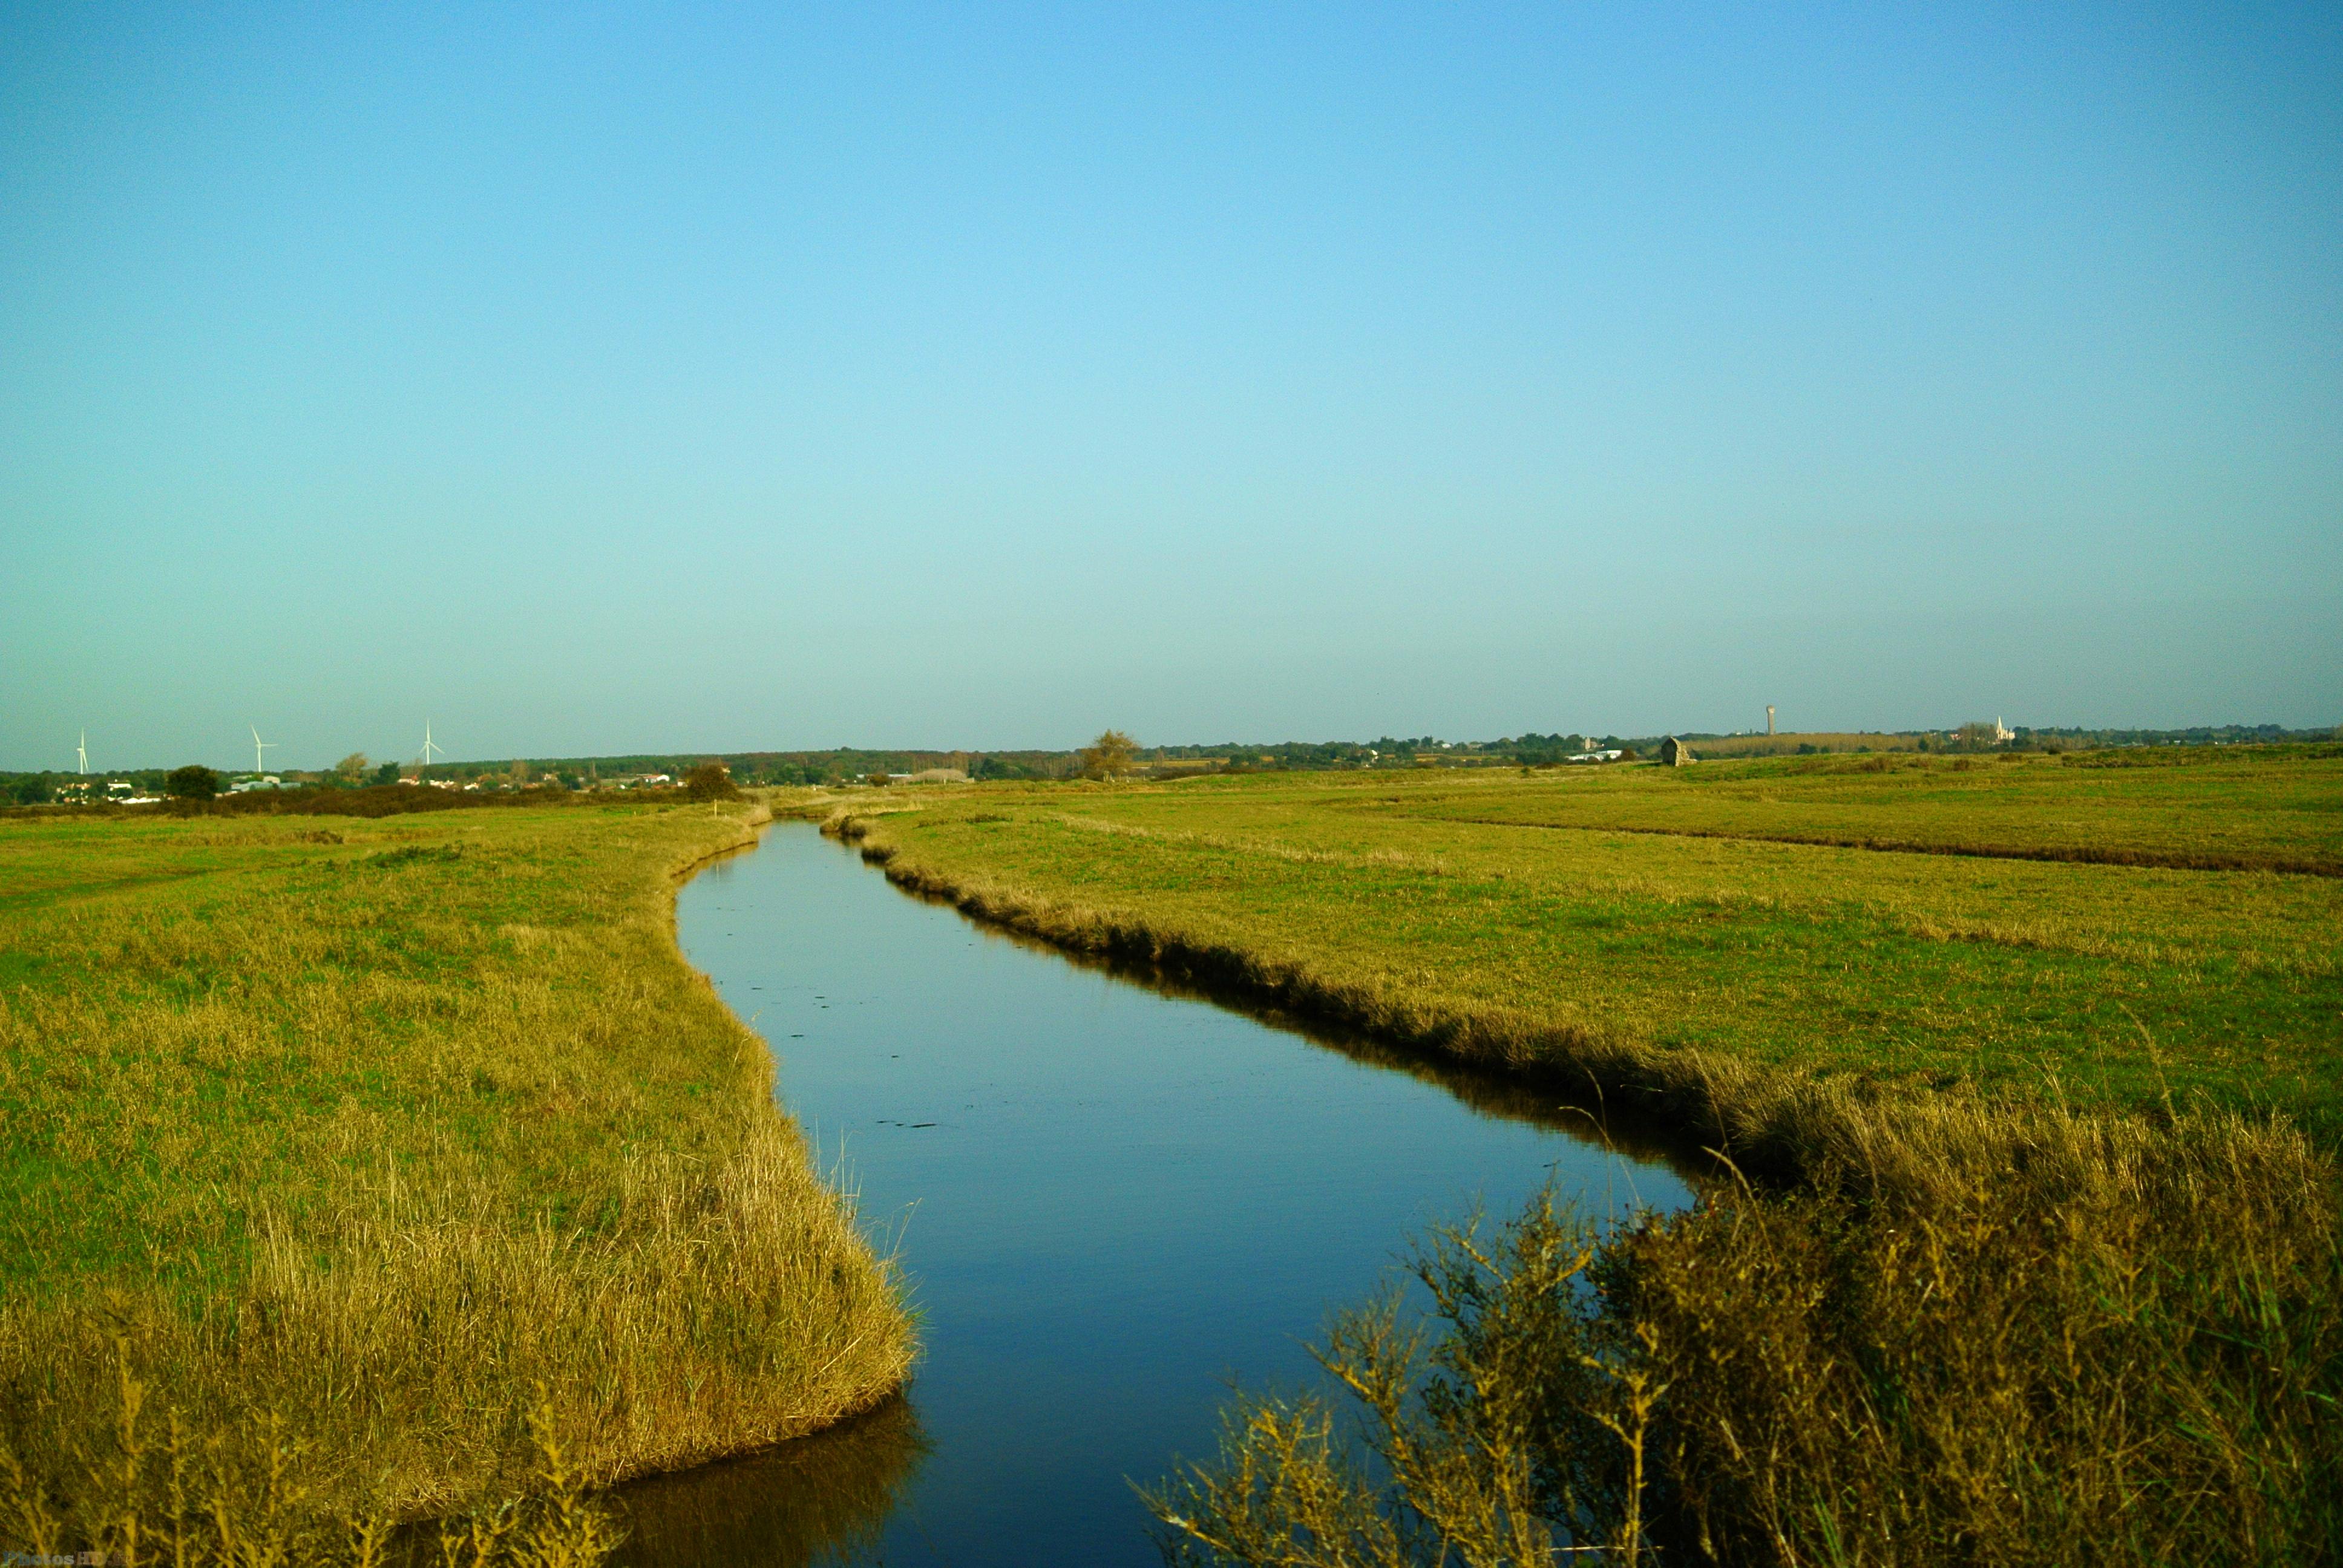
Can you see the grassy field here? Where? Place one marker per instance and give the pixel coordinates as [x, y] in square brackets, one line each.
[2243, 814]
[359, 1144]
[2034, 1065]
[1635, 916]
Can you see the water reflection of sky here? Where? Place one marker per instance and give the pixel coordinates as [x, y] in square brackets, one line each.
[1110, 1200]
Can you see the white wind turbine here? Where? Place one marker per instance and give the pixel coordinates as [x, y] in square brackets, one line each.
[81, 752]
[259, 746]
[428, 747]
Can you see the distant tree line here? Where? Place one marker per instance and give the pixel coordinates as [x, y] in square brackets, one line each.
[848, 765]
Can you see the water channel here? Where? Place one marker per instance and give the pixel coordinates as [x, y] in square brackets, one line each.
[1111, 1199]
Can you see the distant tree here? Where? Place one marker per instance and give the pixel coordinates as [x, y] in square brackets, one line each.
[1109, 757]
[1976, 736]
[193, 782]
[352, 769]
[711, 781]
[386, 774]
[520, 773]
[32, 789]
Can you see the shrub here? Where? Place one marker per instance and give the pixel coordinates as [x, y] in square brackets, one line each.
[2070, 1341]
[711, 781]
[193, 782]
[226, 1503]
[1109, 756]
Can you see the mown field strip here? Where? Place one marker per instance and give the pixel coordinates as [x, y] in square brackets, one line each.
[2148, 859]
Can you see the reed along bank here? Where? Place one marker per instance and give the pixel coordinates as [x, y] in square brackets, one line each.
[388, 1158]
[2022, 1240]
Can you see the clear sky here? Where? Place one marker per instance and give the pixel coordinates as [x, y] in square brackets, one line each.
[601, 379]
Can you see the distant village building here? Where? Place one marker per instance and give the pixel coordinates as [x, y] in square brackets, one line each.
[1673, 752]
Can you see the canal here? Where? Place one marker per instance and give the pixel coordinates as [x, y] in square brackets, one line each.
[1111, 1200]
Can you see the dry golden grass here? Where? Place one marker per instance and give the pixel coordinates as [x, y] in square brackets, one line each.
[157, 1496]
[401, 1134]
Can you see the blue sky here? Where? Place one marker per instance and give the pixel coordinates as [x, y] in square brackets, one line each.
[600, 379]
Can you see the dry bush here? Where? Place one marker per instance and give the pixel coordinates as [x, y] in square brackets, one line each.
[155, 1493]
[2080, 1341]
[711, 781]
[1109, 756]
[1522, 1425]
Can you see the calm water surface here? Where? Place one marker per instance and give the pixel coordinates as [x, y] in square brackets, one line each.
[1111, 1198]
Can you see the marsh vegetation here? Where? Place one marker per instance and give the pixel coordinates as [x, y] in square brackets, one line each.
[385, 1157]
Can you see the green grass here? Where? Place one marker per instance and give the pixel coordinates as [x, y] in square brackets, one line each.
[1657, 912]
[2240, 813]
[400, 1131]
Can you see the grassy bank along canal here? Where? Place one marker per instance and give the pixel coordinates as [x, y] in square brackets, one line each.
[1110, 1200]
